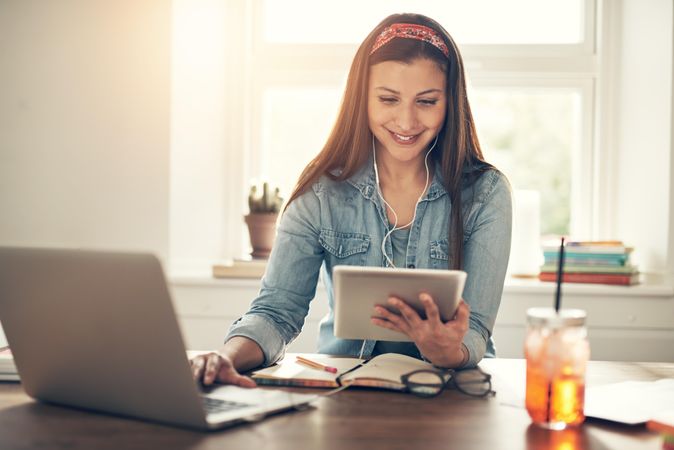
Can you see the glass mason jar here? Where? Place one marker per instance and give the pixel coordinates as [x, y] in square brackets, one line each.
[557, 351]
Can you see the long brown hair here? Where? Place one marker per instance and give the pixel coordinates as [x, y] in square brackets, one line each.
[348, 146]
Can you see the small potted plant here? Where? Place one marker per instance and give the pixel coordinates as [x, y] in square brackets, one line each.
[261, 221]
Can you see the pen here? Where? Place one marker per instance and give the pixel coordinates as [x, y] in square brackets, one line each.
[315, 365]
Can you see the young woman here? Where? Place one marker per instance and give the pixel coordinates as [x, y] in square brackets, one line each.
[400, 182]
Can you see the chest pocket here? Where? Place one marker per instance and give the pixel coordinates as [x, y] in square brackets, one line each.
[439, 254]
[345, 248]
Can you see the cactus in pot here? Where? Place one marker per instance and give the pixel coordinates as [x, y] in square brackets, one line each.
[261, 221]
[267, 203]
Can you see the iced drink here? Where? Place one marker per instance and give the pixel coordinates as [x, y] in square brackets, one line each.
[556, 350]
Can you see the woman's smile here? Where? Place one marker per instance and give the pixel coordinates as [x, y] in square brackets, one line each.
[404, 139]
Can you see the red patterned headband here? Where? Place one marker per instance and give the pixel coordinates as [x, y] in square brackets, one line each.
[410, 31]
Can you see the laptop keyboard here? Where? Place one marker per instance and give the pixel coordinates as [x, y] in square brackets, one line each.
[216, 405]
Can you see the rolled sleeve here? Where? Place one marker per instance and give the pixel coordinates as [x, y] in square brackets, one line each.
[486, 254]
[475, 342]
[277, 314]
[265, 333]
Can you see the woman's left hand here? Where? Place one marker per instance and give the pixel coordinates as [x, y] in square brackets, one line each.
[439, 342]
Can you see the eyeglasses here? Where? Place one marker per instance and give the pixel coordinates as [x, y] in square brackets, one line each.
[429, 383]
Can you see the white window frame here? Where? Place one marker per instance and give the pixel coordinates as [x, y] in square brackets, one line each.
[628, 132]
[519, 66]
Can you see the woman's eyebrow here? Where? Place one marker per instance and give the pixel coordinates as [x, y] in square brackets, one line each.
[393, 91]
[429, 91]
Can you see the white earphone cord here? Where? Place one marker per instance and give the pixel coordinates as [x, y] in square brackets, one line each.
[395, 216]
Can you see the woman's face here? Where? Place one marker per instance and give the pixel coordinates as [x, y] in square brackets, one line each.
[406, 109]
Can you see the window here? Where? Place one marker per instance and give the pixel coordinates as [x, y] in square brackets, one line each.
[532, 135]
[476, 22]
[575, 67]
[290, 134]
[531, 88]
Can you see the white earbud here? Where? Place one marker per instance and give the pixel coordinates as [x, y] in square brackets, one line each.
[395, 216]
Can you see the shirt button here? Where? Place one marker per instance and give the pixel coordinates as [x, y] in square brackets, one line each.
[410, 266]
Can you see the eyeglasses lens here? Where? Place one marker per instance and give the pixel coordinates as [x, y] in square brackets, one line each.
[425, 383]
[472, 382]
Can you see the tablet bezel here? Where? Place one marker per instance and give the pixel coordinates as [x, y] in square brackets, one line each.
[358, 289]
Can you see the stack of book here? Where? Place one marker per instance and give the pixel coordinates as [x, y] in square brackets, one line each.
[601, 262]
[7, 368]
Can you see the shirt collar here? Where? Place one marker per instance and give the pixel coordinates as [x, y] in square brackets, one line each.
[364, 180]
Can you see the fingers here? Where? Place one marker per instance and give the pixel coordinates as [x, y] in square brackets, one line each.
[212, 367]
[385, 324]
[386, 317]
[243, 381]
[407, 312]
[460, 320]
[390, 320]
[405, 322]
[432, 312]
[229, 375]
[462, 312]
[198, 364]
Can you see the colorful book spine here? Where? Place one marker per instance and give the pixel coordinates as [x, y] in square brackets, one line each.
[598, 278]
[595, 249]
[587, 257]
[573, 268]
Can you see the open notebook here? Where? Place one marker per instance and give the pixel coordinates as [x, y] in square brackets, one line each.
[383, 371]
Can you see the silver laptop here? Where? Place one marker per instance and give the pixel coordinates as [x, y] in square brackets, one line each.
[97, 330]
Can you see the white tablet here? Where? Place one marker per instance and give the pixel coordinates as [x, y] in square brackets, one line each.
[359, 289]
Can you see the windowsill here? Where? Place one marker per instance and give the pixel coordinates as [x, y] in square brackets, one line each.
[651, 285]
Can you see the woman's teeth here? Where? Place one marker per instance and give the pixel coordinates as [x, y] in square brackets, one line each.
[404, 140]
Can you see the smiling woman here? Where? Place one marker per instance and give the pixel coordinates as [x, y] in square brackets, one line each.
[403, 146]
[531, 76]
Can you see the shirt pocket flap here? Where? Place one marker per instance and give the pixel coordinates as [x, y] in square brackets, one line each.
[342, 245]
[440, 250]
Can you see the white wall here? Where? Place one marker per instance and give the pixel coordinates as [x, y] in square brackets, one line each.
[198, 132]
[642, 202]
[208, 104]
[84, 123]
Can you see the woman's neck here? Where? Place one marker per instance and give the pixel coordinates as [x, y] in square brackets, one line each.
[398, 175]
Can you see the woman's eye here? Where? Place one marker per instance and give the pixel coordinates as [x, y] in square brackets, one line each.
[427, 101]
[388, 100]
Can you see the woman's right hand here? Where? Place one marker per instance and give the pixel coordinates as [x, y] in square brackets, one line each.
[215, 367]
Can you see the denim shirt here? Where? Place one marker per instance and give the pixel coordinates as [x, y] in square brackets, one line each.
[344, 222]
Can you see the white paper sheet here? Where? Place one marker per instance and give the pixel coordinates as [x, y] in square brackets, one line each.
[630, 402]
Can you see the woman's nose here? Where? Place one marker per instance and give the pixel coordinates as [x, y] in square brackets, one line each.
[407, 118]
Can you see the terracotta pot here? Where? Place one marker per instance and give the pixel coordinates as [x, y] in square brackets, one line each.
[262, 230]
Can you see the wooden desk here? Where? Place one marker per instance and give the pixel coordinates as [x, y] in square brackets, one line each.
[351, 419]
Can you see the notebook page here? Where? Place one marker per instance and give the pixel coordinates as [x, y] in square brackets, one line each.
[289, 369]
[388, 367]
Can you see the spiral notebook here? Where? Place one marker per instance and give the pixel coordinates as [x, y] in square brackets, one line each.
[383, 371]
